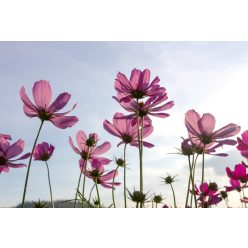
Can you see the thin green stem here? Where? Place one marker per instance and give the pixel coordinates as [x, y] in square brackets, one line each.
[192, 181]
[203, 168]
[243, 191]
[241, 200]
[194, 166]
[113, 187]
[98, 195]
[29, 164]
[50, 187]
[140, 141]
[191, 196]
[91, 192]
[84, 179]
[226, 203]
[79, 180]
[125, 169]
[187, 197]
[174, 196]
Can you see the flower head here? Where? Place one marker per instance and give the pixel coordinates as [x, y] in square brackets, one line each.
[4, 137]
[43, 151]
[8, 152]
[245, 199]
[147, 108]
[239, 173]
[40, 204]
[169, 179]
[43, 108]
[224, 194]
[126, 130]
[99, 175]
[157, 199]
[88, 148]
[206, 189]
[138, 86]
[165, 206]
[188, 148]
[208, 194]
[202, 134]
[234, 185]
[120, 162]
[138, 196]
[243, 144]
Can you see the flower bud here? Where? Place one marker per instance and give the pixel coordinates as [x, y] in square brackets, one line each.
[157, 199]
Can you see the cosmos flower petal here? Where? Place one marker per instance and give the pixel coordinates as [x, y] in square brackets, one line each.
[64, 121]
[42, 94]
[60, 102]
[26, 99]
[109, 176]
[15, 149]
[75, 149]
[227, 131]
[207, 123]
[102, 148]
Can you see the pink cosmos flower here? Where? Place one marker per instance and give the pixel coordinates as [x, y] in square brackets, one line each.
[43, 108]
[205, 190]
[138, 86]
[239, 173]
[98, 174]
[5, 137]
[234, 185]
[188, 148]
[88, 148]
[8, 152]
[149, 107]
[244, 200]
[126, 130]
[43, 151]
[243, 144]
[201, 131]
[208, 194]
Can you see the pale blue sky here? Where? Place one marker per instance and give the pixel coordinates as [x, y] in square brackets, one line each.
[208, 76]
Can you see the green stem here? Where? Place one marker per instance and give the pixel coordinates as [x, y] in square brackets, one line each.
[191, 196]
[29, 164]
[84, 179]
[125, 188]
[98, 195]
[79, 180]
[243, 191]
[174, 196]
[91, 192]
[49, 181]
[203, 168]
[113, 187]
[194, 166]
[140, 141]
[241, 200]
[187, 198]
[226, 201]
[156, 205]
[192, 181]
